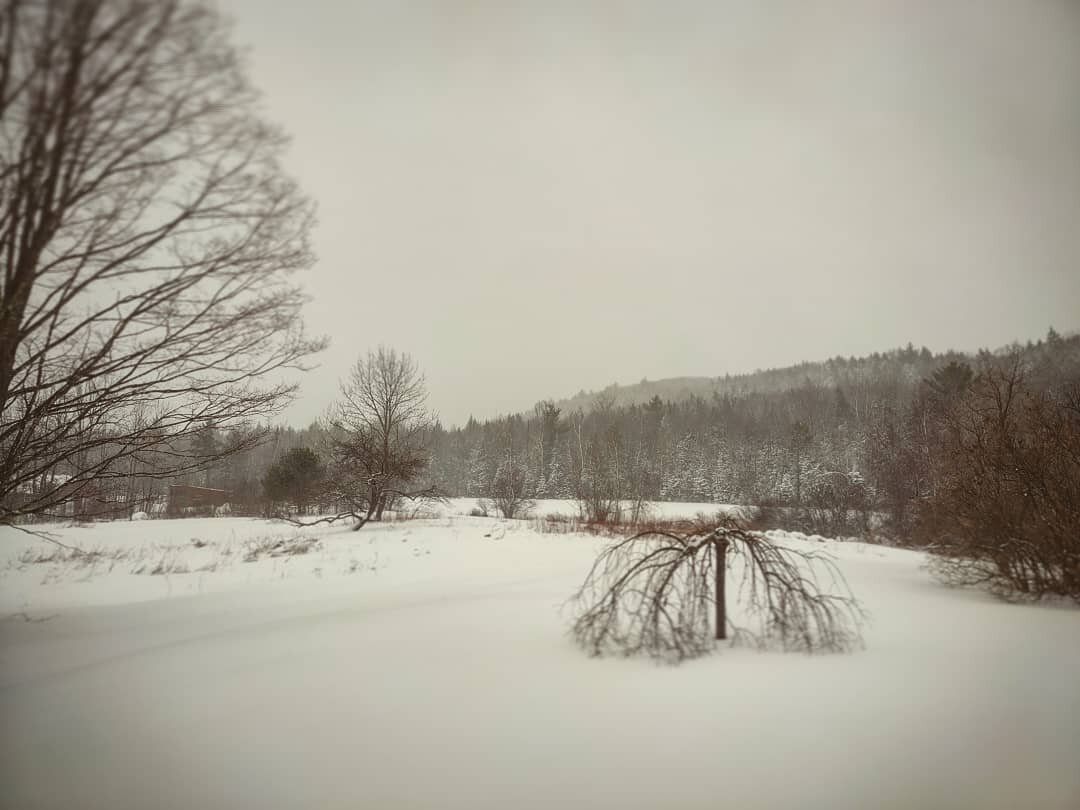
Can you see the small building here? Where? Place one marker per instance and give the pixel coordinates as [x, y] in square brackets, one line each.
[188, 500]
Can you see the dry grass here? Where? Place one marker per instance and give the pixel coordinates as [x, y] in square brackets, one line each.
[276, 546]
[570, 524]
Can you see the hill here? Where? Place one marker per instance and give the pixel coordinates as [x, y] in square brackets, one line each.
[908, 364]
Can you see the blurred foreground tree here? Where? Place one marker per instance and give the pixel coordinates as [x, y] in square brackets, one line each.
[147, 239]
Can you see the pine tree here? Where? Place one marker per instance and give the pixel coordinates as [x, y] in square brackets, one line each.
[558, 482]
[479, 473]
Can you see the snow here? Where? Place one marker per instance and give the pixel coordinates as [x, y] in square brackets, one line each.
[422, 664]
[569, 508]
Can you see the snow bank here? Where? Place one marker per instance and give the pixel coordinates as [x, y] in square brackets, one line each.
[437, 672]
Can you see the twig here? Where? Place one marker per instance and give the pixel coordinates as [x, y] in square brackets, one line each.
[48, 537]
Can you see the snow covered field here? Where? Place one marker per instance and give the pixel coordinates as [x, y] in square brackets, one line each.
[198, 663]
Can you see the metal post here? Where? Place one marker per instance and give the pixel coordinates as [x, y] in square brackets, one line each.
[720, 549]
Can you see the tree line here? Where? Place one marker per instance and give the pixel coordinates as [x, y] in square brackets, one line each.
[867, 435]
[976, 458]
[869, 440]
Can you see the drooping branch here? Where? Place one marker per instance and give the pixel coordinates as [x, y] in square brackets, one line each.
[659, 593]
[427, 495]
[325, 519]
[796, 597]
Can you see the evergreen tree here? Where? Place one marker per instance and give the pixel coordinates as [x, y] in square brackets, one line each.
[296, 478]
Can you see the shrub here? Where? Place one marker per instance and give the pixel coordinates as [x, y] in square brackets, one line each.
[1007, 513]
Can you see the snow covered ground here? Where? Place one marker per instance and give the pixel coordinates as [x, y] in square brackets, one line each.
[659, 510]
[426, 664]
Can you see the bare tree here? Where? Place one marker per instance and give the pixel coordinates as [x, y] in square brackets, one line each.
[379, 433]
[508, 494]
[664, 594]
[600, 489]
[1007, 512]
[637, 480]
[147, 237]
[600, 462]
[549, 428]
[837, 504]
[800, 440]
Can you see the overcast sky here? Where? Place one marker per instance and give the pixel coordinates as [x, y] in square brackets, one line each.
[534, 198]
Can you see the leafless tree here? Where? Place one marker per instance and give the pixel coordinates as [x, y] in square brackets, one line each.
[147, 237]
[800, 439]
[837, 504]
[549, 428]
[602, 462]
[663, 594]
[1007, 511]
[600, 490]
[379, 433]
[508, 495]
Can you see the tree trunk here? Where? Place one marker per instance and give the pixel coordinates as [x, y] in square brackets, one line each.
[798, 478]
[363, 521]
[720, 550]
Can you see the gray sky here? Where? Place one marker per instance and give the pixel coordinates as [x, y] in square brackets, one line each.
[533, 198]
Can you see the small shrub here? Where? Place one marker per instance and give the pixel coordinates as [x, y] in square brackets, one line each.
[169, 566]
[663, 594]
[262, 547]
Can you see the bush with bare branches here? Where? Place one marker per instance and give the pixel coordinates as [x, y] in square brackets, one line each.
[663, 594]
[508, 491]
[508, 495]
[1007, 513]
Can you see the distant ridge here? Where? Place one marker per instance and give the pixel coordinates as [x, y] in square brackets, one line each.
[909, 362]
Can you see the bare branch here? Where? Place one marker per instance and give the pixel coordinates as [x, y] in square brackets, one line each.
[148, 241]
[658, 592]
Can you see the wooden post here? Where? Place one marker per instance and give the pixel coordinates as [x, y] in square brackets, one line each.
[720, 549]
